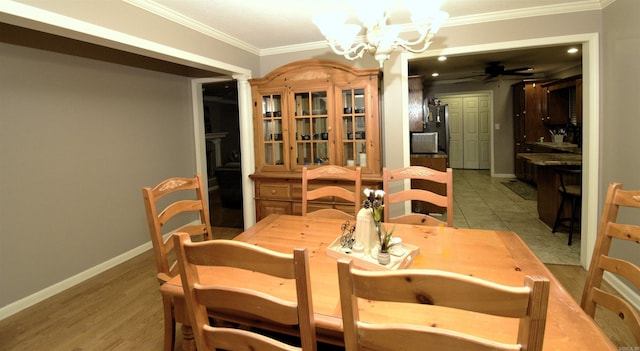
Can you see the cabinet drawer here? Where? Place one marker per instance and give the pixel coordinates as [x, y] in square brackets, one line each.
[274, 191]
[266, 207]
[296, 191]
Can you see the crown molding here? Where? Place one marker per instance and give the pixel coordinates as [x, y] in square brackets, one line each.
[581, 6]
[294, 48]
[605, 3]
[167, 13]
[160, 10]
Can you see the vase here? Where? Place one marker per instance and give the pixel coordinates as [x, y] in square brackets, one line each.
[365, 232]
[374, 240]
[384, 258]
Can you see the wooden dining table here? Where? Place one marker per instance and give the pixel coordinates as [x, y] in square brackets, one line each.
[498, 256]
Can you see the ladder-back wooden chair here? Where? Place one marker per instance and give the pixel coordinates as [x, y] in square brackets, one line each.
[204, 298]
[329, 193]
[180, 204]
[418, 173]
[601, 261]
[440, 289]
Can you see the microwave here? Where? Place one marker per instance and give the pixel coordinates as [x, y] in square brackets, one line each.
[424, 142]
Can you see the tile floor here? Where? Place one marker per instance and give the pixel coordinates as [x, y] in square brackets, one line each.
[481, 201]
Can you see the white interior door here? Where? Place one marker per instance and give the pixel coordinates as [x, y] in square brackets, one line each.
[484, 130]
[470, 132]
[469, 126]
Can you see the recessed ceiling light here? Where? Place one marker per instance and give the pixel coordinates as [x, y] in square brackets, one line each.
[435, 74]
[442, 58]
[572, 50]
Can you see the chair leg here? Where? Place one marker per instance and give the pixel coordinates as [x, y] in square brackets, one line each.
[169, 323]
[188, 343]
[573, 217]
[556, 223]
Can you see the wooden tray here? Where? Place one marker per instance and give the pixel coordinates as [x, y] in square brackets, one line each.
[369, 263]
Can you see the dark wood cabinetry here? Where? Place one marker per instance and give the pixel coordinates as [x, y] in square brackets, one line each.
[540, 106]
[437, 162]
[416, 110]
[529, 112]
[563, 102]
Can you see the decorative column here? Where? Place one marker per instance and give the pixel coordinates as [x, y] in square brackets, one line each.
[248, 163]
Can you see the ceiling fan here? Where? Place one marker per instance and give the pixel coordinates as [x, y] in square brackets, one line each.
[495, 69]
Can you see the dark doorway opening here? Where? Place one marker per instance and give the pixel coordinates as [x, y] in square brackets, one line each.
[222, 135]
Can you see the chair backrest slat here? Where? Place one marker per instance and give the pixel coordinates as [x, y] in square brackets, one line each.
[189, 199]
[601, 261]
[527, 303]
[418, 173]
[330, 192]
[205, 298]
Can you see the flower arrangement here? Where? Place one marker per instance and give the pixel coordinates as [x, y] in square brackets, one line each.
[375, 202]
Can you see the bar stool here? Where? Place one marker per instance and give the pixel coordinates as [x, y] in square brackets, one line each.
[569, 192]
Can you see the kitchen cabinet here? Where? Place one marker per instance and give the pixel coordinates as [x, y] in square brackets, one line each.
[434, 161]
[564, 102]
[416, 110]
[310, 113]
[548, 181]
[529, 113]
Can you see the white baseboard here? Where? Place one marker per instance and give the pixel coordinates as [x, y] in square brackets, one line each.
[59, 287]
[15, 307]
[503, 175]
[623, 289]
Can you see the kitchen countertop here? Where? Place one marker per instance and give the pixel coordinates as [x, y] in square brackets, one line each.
[564, 147]
[440, 154]
[552, 158]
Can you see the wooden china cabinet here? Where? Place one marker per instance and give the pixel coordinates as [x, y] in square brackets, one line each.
[311, 113]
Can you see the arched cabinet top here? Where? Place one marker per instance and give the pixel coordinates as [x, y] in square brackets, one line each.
[314, 70]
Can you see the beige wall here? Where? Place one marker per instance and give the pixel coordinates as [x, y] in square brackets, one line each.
[79, 139]
[620, 124]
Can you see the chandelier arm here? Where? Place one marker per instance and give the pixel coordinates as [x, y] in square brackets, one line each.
[425, 35]
[355, 52]
[425, 44]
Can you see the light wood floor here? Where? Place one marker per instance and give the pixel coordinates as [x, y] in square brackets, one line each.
[121, 309]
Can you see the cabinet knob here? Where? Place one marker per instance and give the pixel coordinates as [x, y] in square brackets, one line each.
[273, 191]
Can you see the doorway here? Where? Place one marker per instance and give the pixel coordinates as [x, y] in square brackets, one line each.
[469, 127]
[222, 141]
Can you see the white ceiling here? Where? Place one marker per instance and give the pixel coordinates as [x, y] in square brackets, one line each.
[272, 24]
[277, 26]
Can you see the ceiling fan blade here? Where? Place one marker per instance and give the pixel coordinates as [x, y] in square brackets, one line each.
[473, 76]
[516, 71]
[524, 74]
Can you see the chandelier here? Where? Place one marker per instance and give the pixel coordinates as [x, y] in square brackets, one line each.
[381, 37]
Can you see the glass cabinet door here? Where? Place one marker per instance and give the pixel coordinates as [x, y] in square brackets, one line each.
[311, 128]
[273, 136]
[316, 113]
[353, 134]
